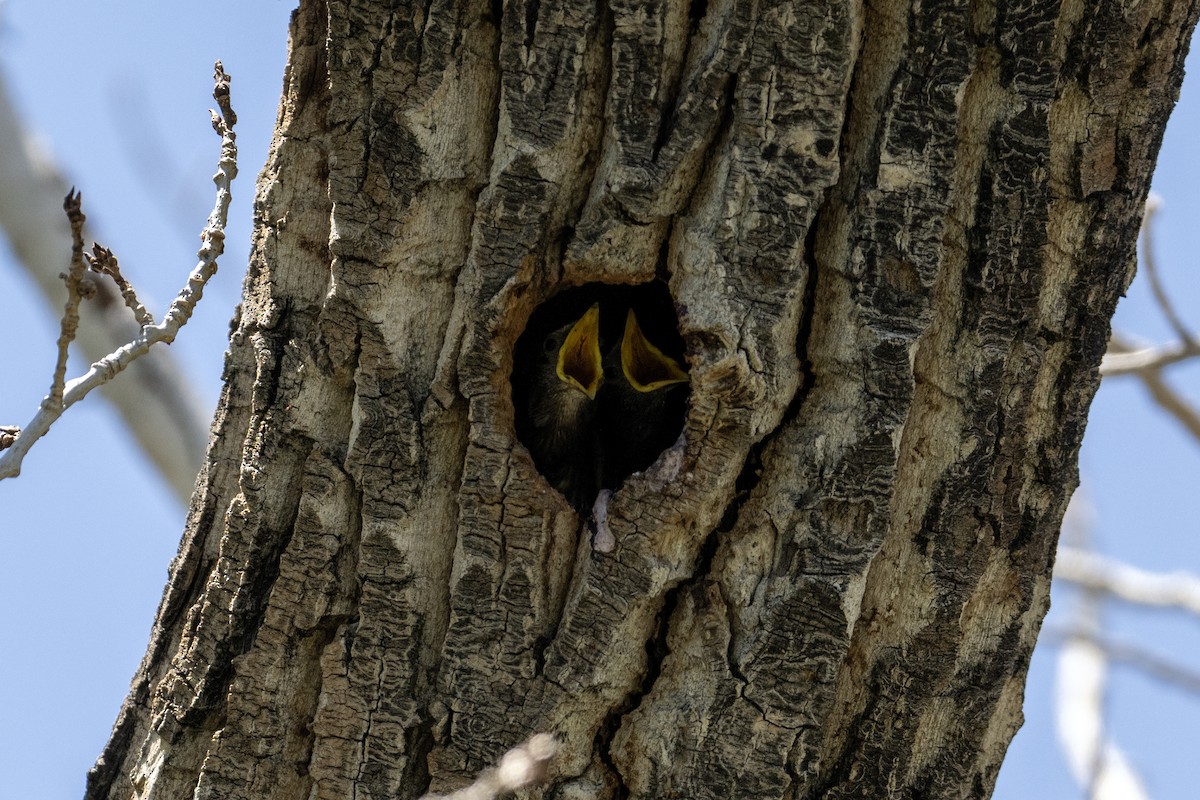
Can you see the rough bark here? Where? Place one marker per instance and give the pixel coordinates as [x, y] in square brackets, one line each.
[895, 237]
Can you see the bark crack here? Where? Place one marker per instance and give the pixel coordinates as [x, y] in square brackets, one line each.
[591, 162]
[656, 653]
[367, 734]
[807, 314]
[669, 110]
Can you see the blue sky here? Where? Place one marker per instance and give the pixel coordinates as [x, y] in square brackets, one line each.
[120, 93]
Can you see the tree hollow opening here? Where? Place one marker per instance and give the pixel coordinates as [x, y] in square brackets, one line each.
[600, 386]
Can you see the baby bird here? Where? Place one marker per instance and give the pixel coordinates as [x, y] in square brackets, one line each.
[642, 406]
[563, 435]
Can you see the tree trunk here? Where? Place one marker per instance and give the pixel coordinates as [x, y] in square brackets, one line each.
[894, 238]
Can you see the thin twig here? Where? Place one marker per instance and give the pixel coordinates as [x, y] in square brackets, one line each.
[1131, 655]
[1170, 401]
[1162, 394]
[1147, 363]
[211, 248]
[156, 399]
[1153, 204]
[104, 262]
[1123, 358]
[72, 277]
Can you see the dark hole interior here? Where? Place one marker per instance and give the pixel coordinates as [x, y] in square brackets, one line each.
[591, 425]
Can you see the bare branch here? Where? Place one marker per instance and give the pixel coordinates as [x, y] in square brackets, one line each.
[104, 262]
[1128, 361]
[1123, 358]
[522, 766]
[1105, 575]
[1095, 761]
[1170, 401]
[1153, 204]
[157, 401]
[1162, 394]
[1131, 655]
[212, 245]
[73, 277]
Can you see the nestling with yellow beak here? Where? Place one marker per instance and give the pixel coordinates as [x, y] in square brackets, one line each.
[591, 420]
[563, 435]
[642, 404]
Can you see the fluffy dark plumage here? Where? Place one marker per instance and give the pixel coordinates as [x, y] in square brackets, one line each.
[562, 431]
[641, 405]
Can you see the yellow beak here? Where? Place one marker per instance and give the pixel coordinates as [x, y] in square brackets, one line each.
[579, 357]
[646, 367]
